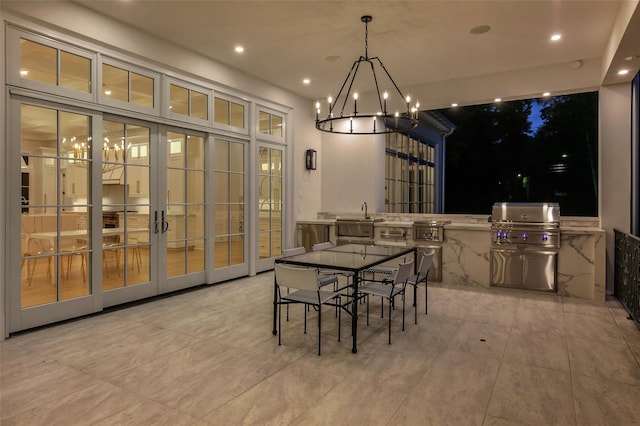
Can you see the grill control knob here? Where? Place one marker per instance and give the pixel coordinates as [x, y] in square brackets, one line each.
[524, 236]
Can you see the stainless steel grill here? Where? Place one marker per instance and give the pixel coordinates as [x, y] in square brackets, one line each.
[525, 238]
[534, 224]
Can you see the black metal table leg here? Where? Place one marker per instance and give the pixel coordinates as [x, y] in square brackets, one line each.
[354, 313]
[275, 305]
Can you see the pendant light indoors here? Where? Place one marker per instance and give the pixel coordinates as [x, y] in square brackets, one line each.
[393, 112]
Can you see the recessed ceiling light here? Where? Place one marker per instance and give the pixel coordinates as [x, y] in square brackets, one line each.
[454, 104]
[623, 72]
[239, 49]
[545, 94]
[107, 92]
[306, 81]
[498, 99]
[556, 37]
[480, 29]
[24, 73]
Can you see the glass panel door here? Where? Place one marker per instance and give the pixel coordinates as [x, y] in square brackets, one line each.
[182, 214]
[270, 203]
[125, 173]
[229, 160]
[56, 250]
[50, 273]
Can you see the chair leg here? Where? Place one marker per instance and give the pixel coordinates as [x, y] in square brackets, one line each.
[390, 321]
[367, 309]
[280, 323]
[33, 269]
[403, 303]
[305, 318]
[425, 297]
[415, 303]
[339, 315]
[319, 328]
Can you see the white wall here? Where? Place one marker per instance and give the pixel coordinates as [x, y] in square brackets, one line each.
[353, 169]
[615, 165]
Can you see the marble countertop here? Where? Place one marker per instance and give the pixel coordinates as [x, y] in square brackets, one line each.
[471, 225]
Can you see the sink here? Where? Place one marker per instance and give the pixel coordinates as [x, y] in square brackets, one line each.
[363, 220]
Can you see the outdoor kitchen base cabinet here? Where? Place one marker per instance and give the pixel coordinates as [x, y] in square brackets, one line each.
[524, 268]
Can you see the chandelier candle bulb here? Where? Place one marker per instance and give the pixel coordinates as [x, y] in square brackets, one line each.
[384, 109]
[355, 104]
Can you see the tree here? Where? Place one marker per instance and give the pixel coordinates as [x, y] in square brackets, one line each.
[495, 155]
[487, 156]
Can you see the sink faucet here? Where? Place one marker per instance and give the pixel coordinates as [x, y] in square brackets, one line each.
[364, 209]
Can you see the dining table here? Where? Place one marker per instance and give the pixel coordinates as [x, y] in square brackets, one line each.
[350, 259]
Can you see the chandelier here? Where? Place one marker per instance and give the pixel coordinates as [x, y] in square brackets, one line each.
[113, 155]
[392, 113]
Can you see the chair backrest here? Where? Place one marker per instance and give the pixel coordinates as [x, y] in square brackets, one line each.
[322, 246]
[425, 264]
[403, 272]
[293, 251]
[296, 277]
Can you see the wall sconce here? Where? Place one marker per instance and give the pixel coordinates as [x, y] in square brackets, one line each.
[311, 159]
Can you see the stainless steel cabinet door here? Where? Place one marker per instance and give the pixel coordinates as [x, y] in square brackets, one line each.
[506, 268]
[539, 270]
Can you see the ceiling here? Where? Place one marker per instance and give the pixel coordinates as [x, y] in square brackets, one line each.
[419, 41]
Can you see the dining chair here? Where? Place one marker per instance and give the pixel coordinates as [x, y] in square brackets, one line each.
[388, 290]
[322, 246]
[415, 279]
[303, 288]
[326, 245]
[323, 278]
[35, 249]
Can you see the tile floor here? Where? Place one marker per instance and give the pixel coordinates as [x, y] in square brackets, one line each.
[208, 357]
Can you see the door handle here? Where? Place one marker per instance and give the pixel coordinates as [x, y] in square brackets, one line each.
[165, 224]
[155, 223]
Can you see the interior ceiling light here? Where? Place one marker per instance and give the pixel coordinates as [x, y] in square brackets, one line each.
[391, 114]
[239, 49]
[556, 37]
[306, 81]
[623, 72]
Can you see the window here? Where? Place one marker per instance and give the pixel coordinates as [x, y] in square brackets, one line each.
[270, 124]
[52, 65]
[543, 150]
[123, 84]
[188, 102]
[409, 175]
[229, 113]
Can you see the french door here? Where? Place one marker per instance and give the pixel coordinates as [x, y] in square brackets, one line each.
[270, 175]
[110, 210]
[159, 200]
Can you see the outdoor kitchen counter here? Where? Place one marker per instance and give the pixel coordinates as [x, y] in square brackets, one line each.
[467, 245]
[581, 259]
